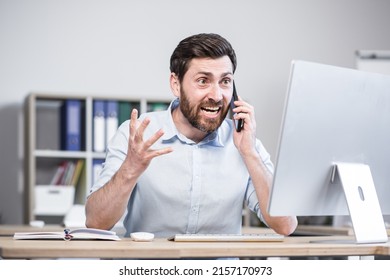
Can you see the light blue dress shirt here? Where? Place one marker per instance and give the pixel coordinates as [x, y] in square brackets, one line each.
[197, 188]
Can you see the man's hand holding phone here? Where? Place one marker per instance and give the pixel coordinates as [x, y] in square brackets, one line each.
[238, 123]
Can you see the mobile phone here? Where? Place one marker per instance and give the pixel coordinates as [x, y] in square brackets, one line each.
[238, 123]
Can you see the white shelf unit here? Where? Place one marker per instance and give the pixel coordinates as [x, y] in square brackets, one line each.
[43, 153]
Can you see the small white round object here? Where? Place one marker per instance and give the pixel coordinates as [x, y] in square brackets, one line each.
[142, 236]
[37, 223]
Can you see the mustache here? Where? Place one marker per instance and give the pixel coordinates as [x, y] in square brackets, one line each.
[211, 103]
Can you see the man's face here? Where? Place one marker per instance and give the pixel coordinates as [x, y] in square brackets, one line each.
[205, 92]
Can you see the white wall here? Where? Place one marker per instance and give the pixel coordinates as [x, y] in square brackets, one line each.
[123, 48]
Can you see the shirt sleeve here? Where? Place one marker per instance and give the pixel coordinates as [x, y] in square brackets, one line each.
[251, 197]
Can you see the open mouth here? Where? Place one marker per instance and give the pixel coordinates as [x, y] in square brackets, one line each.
[210, 110]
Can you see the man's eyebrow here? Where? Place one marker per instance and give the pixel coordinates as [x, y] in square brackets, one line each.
[211, 74]
[226, 74]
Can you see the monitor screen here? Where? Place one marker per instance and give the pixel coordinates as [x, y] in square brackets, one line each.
[332, 114]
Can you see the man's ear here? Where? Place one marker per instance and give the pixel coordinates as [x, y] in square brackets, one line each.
[175, 84]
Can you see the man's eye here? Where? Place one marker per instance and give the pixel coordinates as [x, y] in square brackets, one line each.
[226, 82]
[202, 81]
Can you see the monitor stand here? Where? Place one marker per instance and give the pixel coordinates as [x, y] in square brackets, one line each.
[362, 201]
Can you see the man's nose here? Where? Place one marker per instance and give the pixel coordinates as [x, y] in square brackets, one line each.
[215, 92]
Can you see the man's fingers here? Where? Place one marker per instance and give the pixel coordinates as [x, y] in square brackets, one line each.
[136, 137]
[160, 152]
[137, 130]
[133, 122]
[153, 139]
[141, 129]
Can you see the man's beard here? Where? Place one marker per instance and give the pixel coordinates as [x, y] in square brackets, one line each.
[193, 113]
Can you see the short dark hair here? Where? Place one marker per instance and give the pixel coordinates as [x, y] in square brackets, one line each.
[204, 45]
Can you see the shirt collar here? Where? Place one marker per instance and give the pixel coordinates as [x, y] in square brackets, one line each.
[171, 133]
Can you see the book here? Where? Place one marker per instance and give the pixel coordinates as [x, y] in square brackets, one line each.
[68, 173]
[66, 179]
[57, 178]
[75, 234]
[77, 172]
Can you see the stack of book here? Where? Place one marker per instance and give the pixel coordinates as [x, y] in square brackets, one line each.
[68, 173]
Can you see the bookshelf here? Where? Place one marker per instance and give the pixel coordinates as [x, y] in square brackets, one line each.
[46, 150]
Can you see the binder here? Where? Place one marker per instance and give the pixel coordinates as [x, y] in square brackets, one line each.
[125, 110]
[111, 119]
[71, 125]
[157, 106]
[97, 166]
[99, 126]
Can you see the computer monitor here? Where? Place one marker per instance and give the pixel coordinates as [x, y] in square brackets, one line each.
[333, 155]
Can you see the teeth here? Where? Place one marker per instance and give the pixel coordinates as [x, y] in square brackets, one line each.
[211, 108]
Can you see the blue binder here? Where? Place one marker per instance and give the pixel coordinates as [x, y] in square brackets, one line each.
[71, 125]
[97, 166]
[112, 109]
[112, 113]
[99, 129]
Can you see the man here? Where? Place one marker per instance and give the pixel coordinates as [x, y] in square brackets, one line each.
[187, 170]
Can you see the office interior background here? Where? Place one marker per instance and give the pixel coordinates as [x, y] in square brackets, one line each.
[122, 47]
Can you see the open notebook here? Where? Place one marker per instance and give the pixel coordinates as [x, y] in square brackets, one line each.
[75, 234]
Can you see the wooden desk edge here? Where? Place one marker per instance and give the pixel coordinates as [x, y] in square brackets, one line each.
[163, 249]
